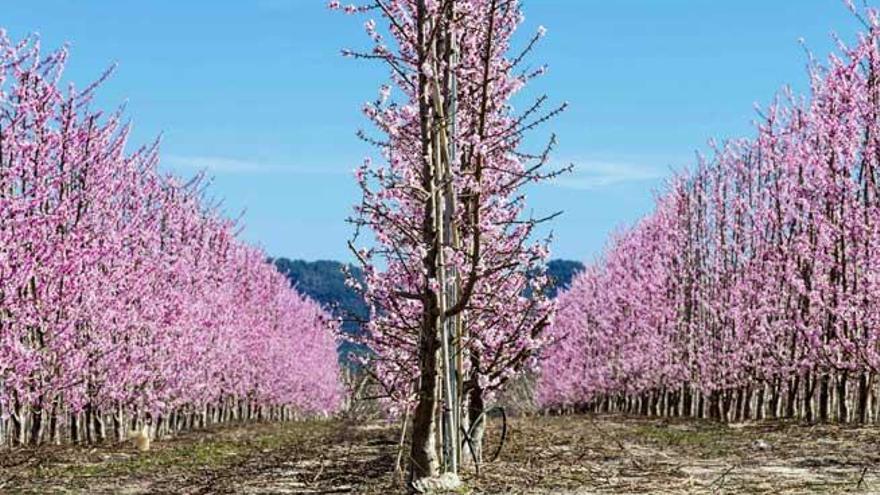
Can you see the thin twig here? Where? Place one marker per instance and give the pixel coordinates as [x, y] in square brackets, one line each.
[620, 444]
[320, 470]
[721, 479]
[862, 478]
[398, 468]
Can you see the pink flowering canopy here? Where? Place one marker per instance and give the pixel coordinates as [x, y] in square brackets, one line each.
[499, 265]
[758, 267]
[120, 287]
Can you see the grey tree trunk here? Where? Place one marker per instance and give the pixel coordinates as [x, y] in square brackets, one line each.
[423, 453]
[477, 424]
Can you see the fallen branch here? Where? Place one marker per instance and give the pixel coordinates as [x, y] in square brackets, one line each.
[616, 441]
[862, 478]
[721, 479]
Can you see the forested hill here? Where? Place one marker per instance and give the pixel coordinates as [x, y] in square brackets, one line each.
[562, 271]
[324, 281]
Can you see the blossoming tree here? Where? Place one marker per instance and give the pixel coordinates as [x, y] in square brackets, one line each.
[454, 278]
[751, 290]
[124, 296]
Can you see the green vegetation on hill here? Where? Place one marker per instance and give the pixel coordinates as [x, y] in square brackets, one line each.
[563, 271]
[324, 282]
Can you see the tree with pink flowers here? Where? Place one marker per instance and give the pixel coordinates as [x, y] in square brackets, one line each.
[124, 296]
[751, 289]
[454, 279]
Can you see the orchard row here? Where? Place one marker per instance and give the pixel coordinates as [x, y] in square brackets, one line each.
[124, 295]
[752, 290]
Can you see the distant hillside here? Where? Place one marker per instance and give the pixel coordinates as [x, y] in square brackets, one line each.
[562, 271]
[324, 282]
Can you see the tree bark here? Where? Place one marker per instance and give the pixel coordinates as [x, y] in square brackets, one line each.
[792, 396]
[824, 386]
[37, 422]
[759, 404]
[477, 422]
[862, 405]
[687, 402]
[809, 388]
[842, 409]
[423, 453]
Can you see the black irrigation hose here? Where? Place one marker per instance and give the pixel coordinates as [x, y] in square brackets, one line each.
[468, 435]
[503, 433]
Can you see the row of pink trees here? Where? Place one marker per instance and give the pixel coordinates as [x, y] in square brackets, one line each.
[752, 290]
[123, 295]
[454, 278]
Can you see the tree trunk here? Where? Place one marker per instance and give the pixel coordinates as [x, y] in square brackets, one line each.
[74, 428]
[423, 453]
[18, 430]
[759, 404]
[809, 387]
[824, 385]
[119, 425]
[54, 432]
[477, 424]
[88, 420]
[715, 405]
[775, 392]
[687, 401]
[738, 405]
[862, 405]
[100, 431]
[793, 385]
[37, 423]
[726, 400]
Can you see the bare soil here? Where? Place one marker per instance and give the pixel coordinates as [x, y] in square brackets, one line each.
[564, 455]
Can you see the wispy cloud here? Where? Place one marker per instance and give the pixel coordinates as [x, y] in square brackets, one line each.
[233, 166]
[587, 174]
[591, 174]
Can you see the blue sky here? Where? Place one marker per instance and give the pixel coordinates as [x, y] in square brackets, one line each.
[256, 92]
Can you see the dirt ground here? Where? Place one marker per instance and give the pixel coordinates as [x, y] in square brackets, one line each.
[575, 454]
